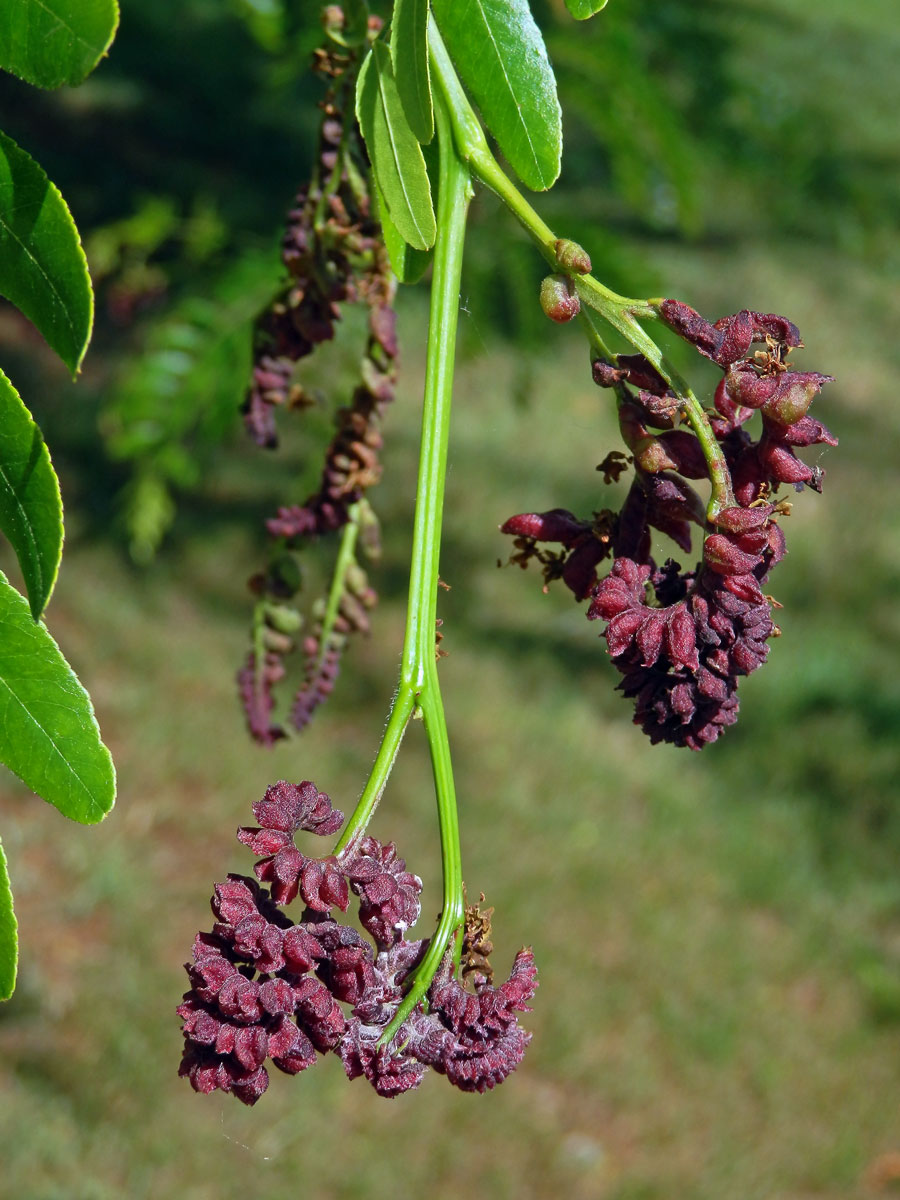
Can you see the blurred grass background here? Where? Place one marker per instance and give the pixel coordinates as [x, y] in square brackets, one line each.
[718, 935]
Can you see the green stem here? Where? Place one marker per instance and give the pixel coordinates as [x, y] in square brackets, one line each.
[473, 149]
[346, 556]
[419, 659]
[721, 495]
[419, 686]
[619, 311]
[401, 711]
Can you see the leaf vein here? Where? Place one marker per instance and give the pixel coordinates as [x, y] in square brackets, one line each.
[95, 807]
[516, 101]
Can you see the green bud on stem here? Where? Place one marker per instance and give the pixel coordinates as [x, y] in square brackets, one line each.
[572, 257]
[559, 299]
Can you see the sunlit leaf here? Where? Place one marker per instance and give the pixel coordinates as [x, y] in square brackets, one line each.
[48, 733]
[30, 505]
[9, 942]
[43, 270]
[500, 55]
[394, 150]
[52, 42]
[409, 51]
[582, 9]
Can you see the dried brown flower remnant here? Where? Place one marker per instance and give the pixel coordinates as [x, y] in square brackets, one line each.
[477, 947]
[266, 989]
[333, 253]
[682, 639]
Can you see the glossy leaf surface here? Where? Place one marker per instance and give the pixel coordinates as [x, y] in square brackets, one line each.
[30, 505]
[9, 942]
[43, 270]
[409, 51]
[501, 58]
[394, 150]
[582, 9]
[48, 733]
[52, 42]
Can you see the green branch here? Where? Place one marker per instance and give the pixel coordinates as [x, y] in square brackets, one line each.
[619, 311]
[419, 686]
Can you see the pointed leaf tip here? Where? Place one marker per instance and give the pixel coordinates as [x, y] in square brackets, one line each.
[9, 941]
[43, 270]
[53, 42]
[582, 9]
[394, 151]
[30, 504]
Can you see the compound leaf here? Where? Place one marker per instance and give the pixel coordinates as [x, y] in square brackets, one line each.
[394, 150]
[409, 51]
[501, 58]
[30, 505]
[52, 42]
[48, 732]
[9, 941]
[43, 270]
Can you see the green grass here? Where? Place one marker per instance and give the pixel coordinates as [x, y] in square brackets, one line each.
[718, 935]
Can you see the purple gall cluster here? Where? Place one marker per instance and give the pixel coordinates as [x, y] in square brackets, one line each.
[682, 639]
[266, 990]
[333, 254]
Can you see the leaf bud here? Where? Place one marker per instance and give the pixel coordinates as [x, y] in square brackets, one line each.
[282, 618]
[572, 257]
[277, 643]
[559, 299]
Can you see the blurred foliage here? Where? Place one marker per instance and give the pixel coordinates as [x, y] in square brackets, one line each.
[176, 401]
[690, 119]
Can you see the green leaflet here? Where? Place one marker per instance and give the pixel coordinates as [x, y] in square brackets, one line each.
[43, 270]
[408, 265]
[48, 733]
[582, 9]
[9, 942]
[30, 504]
[501, 58]
[52, 42]
[395, 153]
[409, 51]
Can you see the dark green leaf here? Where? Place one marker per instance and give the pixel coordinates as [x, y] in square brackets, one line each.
[48, 733]
[394, 151]
[30, 504]
[52, 42]
[501, 58]
[409, 51]
[408, 265]
[582, 9]
[43, 270]
[9, 942]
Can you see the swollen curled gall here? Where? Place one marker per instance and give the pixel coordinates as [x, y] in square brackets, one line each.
[682, 639]
[269, 990]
